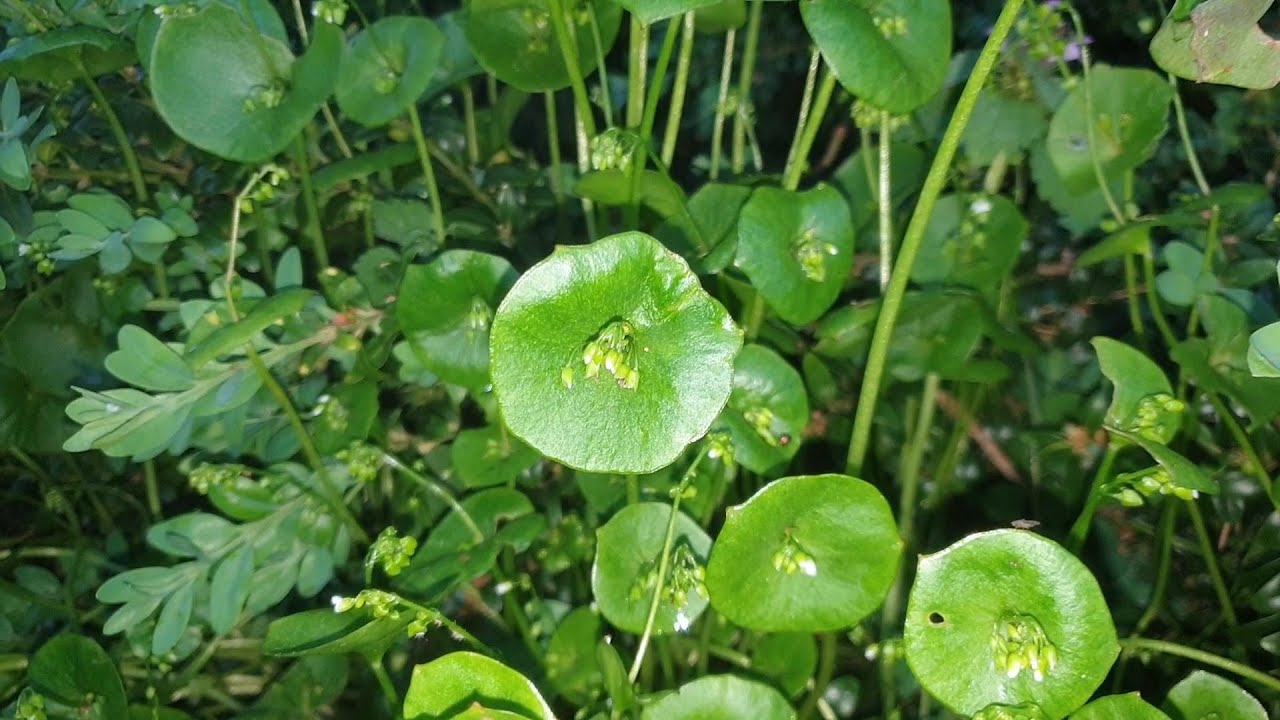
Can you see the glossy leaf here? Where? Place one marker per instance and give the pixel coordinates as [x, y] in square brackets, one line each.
[1129, 109]
[651, 11]
[634, 411]
[325, 632]
[572, 667]
[1130, 706]
[233, 337]
[1201, 695]
[625, 573]
[489, 456]
[1030, 626]
[446, 308]
[75, 671]
[387, 67]
[797, 249]
[514, 39]
[810, 553]
[767, 410]
[1136, 378]
[1219, 42]
[787, 660]
[721, 697]
[458, 681]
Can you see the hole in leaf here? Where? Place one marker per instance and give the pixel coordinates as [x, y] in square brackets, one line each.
[936, 618]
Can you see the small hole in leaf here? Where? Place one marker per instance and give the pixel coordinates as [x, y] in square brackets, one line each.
[936, 618]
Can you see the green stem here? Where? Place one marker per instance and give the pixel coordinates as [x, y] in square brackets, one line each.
[122, 138]
[384, 683]
[1211, 563]
[469, 123]
[664, 561]
[1153, 300]
[655, 83]
[1188, 147]
[806, 102]
[914, 237]
[1080, 529]
[676, 109]
[826, 668]
[439, 491]
[153, 489]
[553, 143]
[1090, 131]
[606, 102]
[1211, 243]
[745, 75]
[1256, 466]
[1138, 644]
[428, 174]
[820, 103]
[314, 229]
[637, 67]
[1131, 298]
[722, 101]
[569, 51]
[1164, 535]
[755, 317]
[884, 201]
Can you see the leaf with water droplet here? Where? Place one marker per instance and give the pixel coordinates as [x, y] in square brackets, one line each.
[767, 410]
[1203, 695]
[462, 679]
[624, 575]
[809, 553]
[1029, 609]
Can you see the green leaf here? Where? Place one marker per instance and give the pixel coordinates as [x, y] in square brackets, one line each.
[443, 688]
[655, 190]
[708, 235]
[387, 67]
[721, 17]
[1135, 377]
[229, 588]
[892, 53]
[325, 632]
[810, 553]
[56, 56]
[572, 667]
[1002, 124]
[151, 231]
[972, 240]
[490, 456]
[797, 249]
[1024, 599]
[1219, 43]
[1182, 472]
[1264, 351]
[635, 411]
[107, 209]
[311, 684]
[226, 88]
[75, 671]
[349, 413]
[1132, 239]
[1078, 212]
[721, 697]
[446, 308]
[172, 622]
[787, 660]
[625, 573]
[15, 168]
[1130, 107]
[514, 39]
[232, 338]
[1202, 695]
[1130, 706]
[767, 411]
[194, 534]
[651, 11]
[144, 361]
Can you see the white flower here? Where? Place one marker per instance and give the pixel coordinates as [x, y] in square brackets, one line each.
[981, 206]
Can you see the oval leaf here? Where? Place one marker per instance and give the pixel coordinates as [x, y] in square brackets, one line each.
[767, 410]
[514, 39]
[387, 67]
[1119, 707]
[1205, 695]
[721, 697]
[461, 681]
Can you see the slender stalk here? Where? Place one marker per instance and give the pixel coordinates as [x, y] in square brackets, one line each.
[606, 102]
[314, 230]
[820, 103]
[655, 83]
[469, 123]
[1090, 131]
[664, 561]
[384, 683]
[1164, 536]
[439, 491]
[1138, 644]
[428, 174]
[569, 51]
[553, 144]
[1153, 300]
[884, 201]
[676, 109]
[1256, 466]
[1131, 298]
[1080, 529]
[914, 237]
[637, 68]
[806, 101]
[826, 668]
[745, 76]
[153, 489]
[1211, 563]
[722, 101]
[122, 138]
[1180, 114]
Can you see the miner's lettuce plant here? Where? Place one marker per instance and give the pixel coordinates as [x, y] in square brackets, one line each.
[645, 359]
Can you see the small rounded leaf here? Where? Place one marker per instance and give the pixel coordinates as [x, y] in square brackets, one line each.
[625, 574]
[767, 409]
[515, 39]
[973, 240]
[387, 67]
[1119, 707]
[721, 697]
[1030, 627]
[810, 553]
[1203, 695]
[462, 680]
[611, 357]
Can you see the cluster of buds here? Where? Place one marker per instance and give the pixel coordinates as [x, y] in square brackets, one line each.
[812, 254]
[39, 253]
[538, 23]
[791, 558]
[268, 96]
[392, 552]
[614, 149]
[684, 575]
[363, 462]
[890, 26]
[265, 189]
[762, 420]
[1158, 418]
[208, 476]
[1019, 643]
[386, 82]
[176, 10]
[1047, 35]
[720, 447]
[333, 12]
[1133, 489]
[867, 116]
[614, 350]
[331, 412]
[478, 318]
[1022, 711]
[381, 603]
[971, 236]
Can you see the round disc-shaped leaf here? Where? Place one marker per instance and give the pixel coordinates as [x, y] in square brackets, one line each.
[459, 681]
[1119, 707]
[445, 309]
[721, 697]
[797, 248]
[810, 553]
[892, 53]
[973, 240]
[1030, 625]
[767, 410]
[625, 573]
[611, 357]
[515, 40]
[1129, 111]
[228, 89]
[1205, 695]
[387, 67]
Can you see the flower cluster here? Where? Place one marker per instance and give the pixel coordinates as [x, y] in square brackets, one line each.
[812, 254]
[333, 12]
[614, 149]
[1133, 489]
[1158, 418]
[363, 461]
[684, 575]
[208, 476]
[30, 706]
[265, 189]
[392, 552]
[792, 558]
[1019, 642]
[614, 350]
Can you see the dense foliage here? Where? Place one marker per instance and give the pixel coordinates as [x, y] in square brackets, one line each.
[639, 358]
